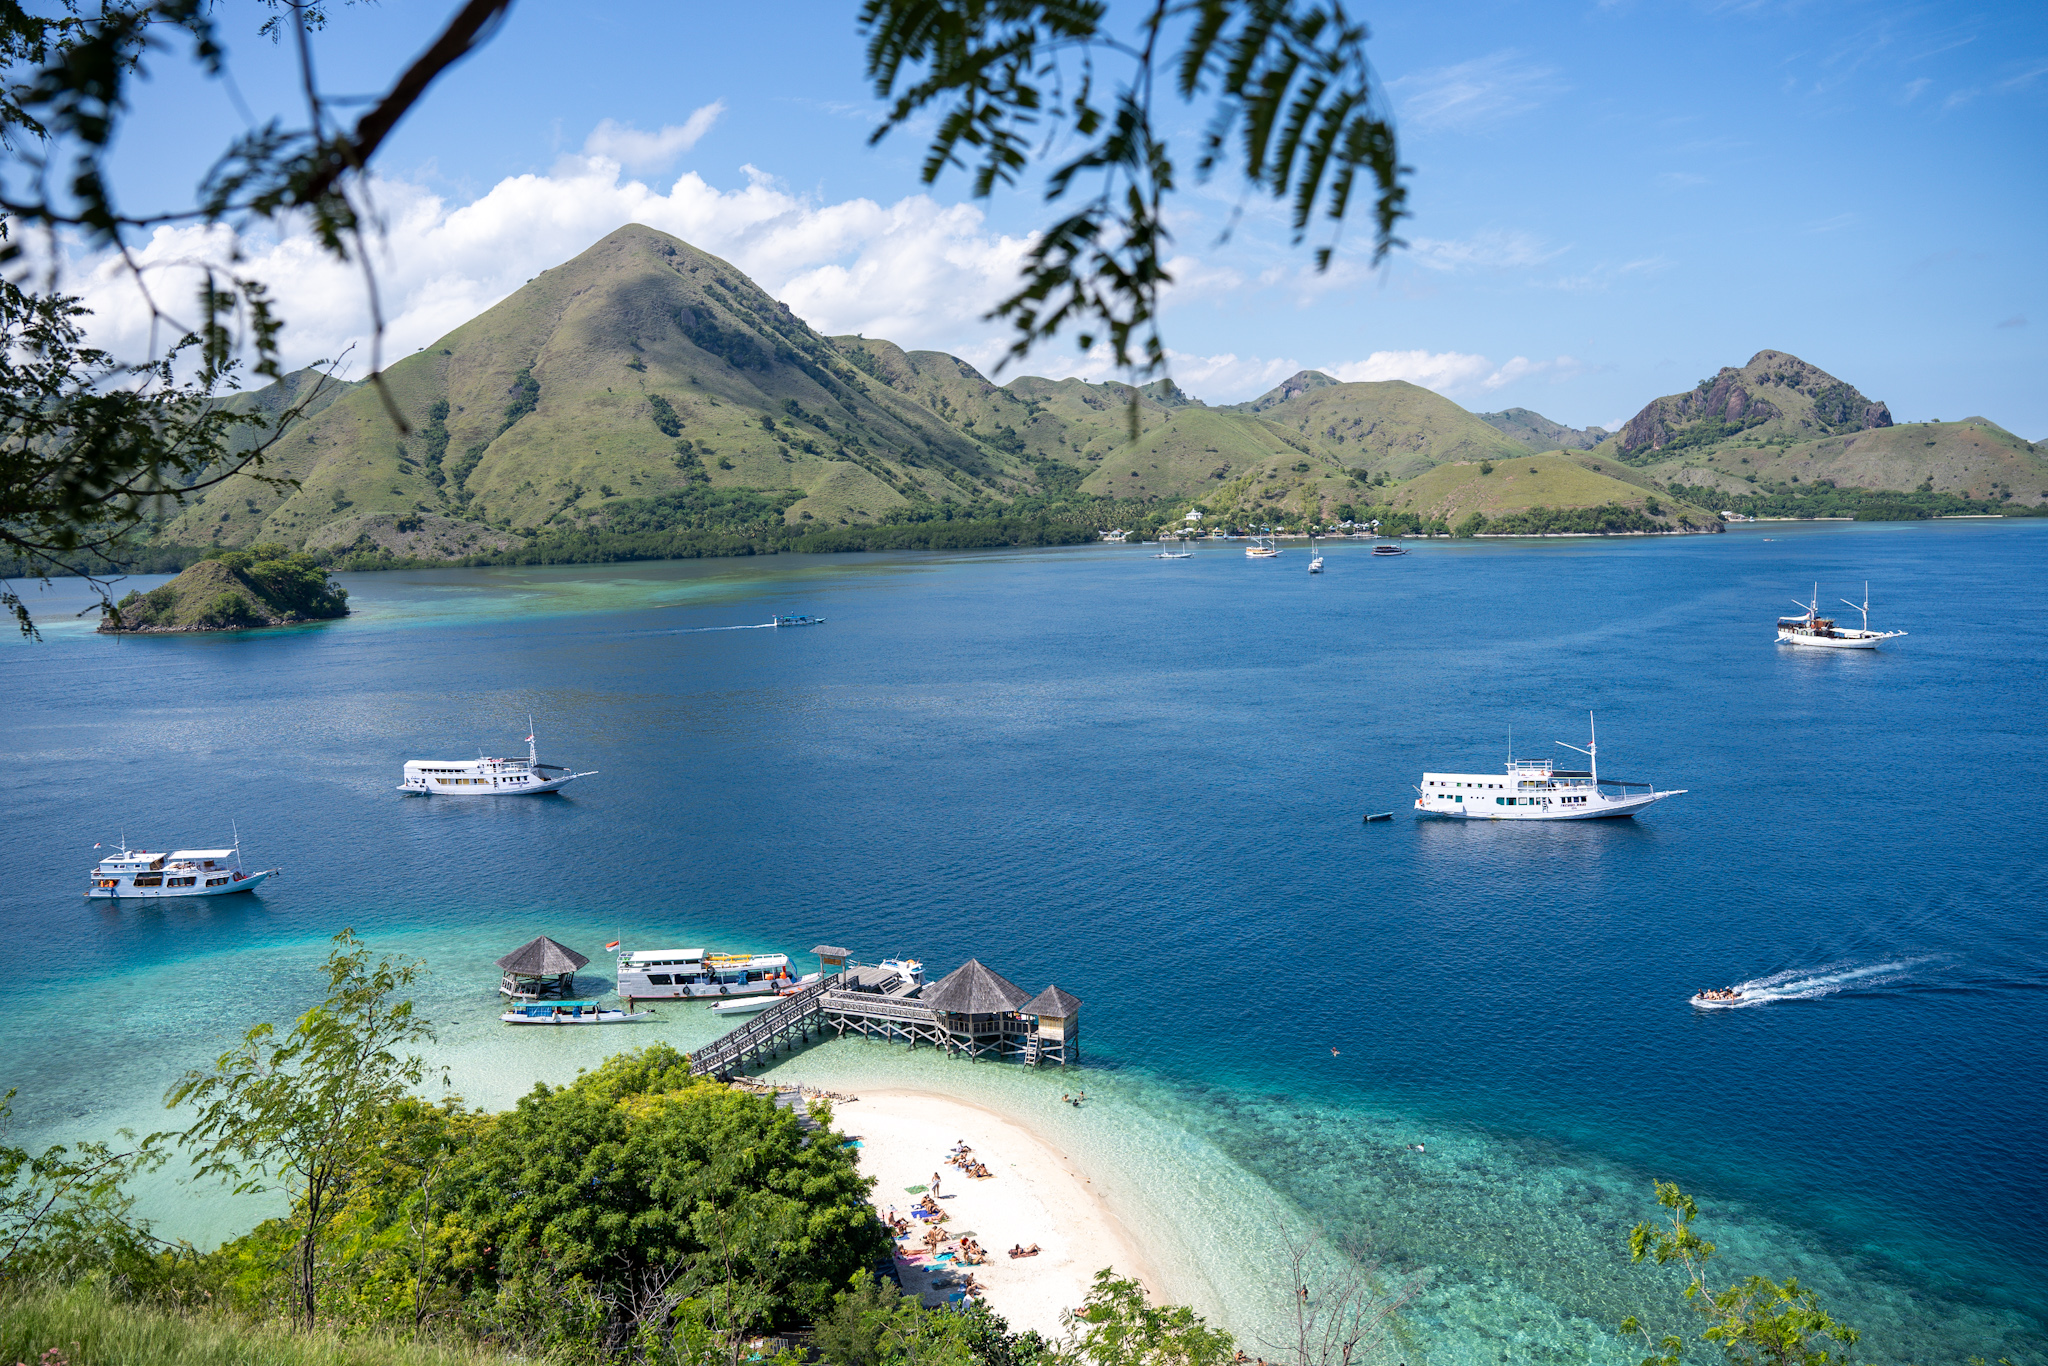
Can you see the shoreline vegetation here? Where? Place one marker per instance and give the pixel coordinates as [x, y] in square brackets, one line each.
[943, 531]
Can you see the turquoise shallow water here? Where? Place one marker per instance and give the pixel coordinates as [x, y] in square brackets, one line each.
[1143, 780]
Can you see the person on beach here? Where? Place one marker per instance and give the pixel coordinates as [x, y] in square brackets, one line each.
[935, 1184]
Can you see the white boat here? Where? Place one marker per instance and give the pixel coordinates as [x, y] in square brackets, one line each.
[1389, 548]
[1811, 628]
[680, 974]
[1175, 550]
[743, 1005]
[481, 777]
[798, 621]
[1534, 790]
[1261, 548]
[182, 872]
[1315, 566]
[572, 1013]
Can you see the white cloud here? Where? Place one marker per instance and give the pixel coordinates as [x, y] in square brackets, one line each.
[1452, 373]
[636, 150]
[1444, 371]
[1490, 250]
[1475, 93]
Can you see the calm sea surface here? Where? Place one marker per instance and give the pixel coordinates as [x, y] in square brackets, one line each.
[1144, 780]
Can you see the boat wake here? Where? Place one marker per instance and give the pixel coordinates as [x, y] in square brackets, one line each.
[1806, 984]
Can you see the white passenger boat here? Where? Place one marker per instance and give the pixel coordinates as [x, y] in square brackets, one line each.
[572, 1013]
[1811, 628]
[1261, 548]
[679, 974]
[182, 872]
[481, 777]
[1534, 790]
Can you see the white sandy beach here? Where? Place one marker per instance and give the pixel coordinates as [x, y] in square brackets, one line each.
[1036, 1195]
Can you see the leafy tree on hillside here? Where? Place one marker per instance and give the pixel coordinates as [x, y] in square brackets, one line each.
[306, 1113]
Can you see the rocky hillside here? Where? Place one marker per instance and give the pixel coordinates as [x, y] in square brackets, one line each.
[234, 591]
[1775, 398]
[1539, 433]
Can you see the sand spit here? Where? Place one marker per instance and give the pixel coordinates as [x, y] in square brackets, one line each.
[1035, 1194]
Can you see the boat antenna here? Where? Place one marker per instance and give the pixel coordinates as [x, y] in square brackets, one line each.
[532, 754]
[1864, 607]
[236, 827]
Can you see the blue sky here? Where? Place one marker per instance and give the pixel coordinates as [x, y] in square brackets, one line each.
[1611, 200]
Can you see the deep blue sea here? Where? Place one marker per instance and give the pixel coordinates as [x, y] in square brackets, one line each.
[1144, 780]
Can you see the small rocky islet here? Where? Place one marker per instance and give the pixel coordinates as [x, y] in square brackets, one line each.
[234, 590]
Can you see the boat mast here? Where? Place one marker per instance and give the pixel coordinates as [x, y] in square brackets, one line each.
[1865, 608]
[1592, 749]
[532, 754]
[236, 827]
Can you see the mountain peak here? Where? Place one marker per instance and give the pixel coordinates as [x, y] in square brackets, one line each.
[1775, 395]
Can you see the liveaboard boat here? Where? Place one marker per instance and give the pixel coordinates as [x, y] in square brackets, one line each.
[181, 872]
[572, 1013]
[678, 974]
[1262, 548]
[482, 777]
[1389, 548]
[1811, 628]
[1535, 790]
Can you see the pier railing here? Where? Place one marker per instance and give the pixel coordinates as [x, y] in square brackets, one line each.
[785, 1024]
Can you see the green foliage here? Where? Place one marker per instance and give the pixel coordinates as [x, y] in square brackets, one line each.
[525, 398]
[649, 1188]
[88, 1325]
[664, 413]
[228, 610]
[304, 1114]
[63, 1211]
[1486, 467]
[1869, 505]
[1753, 1320]
[1291, 87]
[1609, 518]
[1117, 1326]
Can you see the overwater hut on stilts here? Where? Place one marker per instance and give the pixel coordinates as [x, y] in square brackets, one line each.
[540, 971]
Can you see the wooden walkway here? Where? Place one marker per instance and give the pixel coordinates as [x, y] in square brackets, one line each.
[810, 1013]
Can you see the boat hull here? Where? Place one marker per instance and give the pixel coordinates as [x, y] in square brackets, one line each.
[415, 789]
[1837, 642]
[248, 883]
[1617, 810]
[589, 1018]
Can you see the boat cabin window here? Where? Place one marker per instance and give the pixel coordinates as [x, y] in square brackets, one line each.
[660, 979]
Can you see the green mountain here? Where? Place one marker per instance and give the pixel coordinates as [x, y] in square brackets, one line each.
[1539, 433]
[1391, 428]
[1776, 397]
[643, 385]
[1974, 459]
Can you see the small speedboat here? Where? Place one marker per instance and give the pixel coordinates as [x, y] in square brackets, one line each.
[798, 621]
[572, 1013]
[1725, 996]
[744, 1005]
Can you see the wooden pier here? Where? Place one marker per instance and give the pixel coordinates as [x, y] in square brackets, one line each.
[973, 1013]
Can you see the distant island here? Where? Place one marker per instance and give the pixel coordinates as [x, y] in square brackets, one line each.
[233, 590]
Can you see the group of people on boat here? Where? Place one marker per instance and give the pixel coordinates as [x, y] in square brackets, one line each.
[1722, 994]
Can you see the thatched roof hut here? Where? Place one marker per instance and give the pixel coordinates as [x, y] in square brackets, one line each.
[540, 969]
[973, 989]
[1054, 1002]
